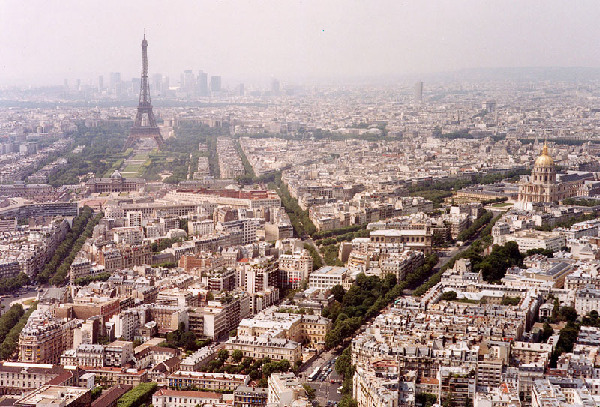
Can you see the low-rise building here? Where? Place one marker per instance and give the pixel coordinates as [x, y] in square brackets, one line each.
[246, 396]
[178, 398]
[328, 277]
[533, 239]
[50, 395]
[44, 338]
[370, 391]
[16, 377]
[587, 300]
[266, 346]
[210, 381]
[285, 390]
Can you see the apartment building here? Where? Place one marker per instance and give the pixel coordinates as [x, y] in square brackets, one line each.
[9, 269]
[533, 239]
[531, 353]
[266, 346]
[199, 359]
[587, 300]
[328, 277]
[43, 339]
[112, 376]
[295, 268]
[456, 385]
[401, 264]
[420, 238]
[178, 398]
[52, 395]
[16, 377]
[309, 329]
[91, 355]
[124, 256]
[369, 391]
[285, 390]
[246, 396]
[209, 381]
[118, 353]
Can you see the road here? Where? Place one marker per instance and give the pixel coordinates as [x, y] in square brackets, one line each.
[446, 255]
[308, 239]
[5, 302]
[326, 391]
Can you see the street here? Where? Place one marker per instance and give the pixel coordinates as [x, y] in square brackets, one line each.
[23, 293]
[325, 390]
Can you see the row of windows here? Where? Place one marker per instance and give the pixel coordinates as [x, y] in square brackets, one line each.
[19, 384]
[411, 239]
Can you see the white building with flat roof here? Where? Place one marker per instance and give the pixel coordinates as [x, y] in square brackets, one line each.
[533, 239]
[285, 390]
[328, 277]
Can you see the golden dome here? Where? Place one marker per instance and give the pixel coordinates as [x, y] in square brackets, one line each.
[544, 160]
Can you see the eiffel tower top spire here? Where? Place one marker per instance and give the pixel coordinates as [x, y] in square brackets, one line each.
[144, 86]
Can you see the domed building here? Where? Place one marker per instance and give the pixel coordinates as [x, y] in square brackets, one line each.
[116, 183]
[544, 185]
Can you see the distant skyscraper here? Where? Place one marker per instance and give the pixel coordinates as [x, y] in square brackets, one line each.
[115, 83]
[165, 85]
[202, 83]
[115, 78]
[215, 83]
[274, 86]
[419, 92]
[100, 83]
[135, 85]
[188, 81]
[156, 86]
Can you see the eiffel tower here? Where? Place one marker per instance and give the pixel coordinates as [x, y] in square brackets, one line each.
[144, 126]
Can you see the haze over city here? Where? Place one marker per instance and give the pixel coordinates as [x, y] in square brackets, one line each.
[299, 203]
[44, 42]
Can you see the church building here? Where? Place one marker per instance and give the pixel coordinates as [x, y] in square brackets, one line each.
[544, 185]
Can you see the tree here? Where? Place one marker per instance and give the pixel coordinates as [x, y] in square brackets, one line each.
[343, 364]
[426, 399]
[567, 314]
[96, 392]
[268, 368]
[237, 355]
[547, 332]
[283, 365]
[566, 340]
[449, 296]
[188, 341]
[139, 395]
[338, 293]
[311, 393]
[347, 401]
[223, 355]
[591, 319]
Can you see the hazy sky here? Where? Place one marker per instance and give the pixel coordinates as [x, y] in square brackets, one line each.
[44, 41]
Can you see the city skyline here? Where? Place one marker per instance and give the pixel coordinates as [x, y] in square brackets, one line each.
[294, 42]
